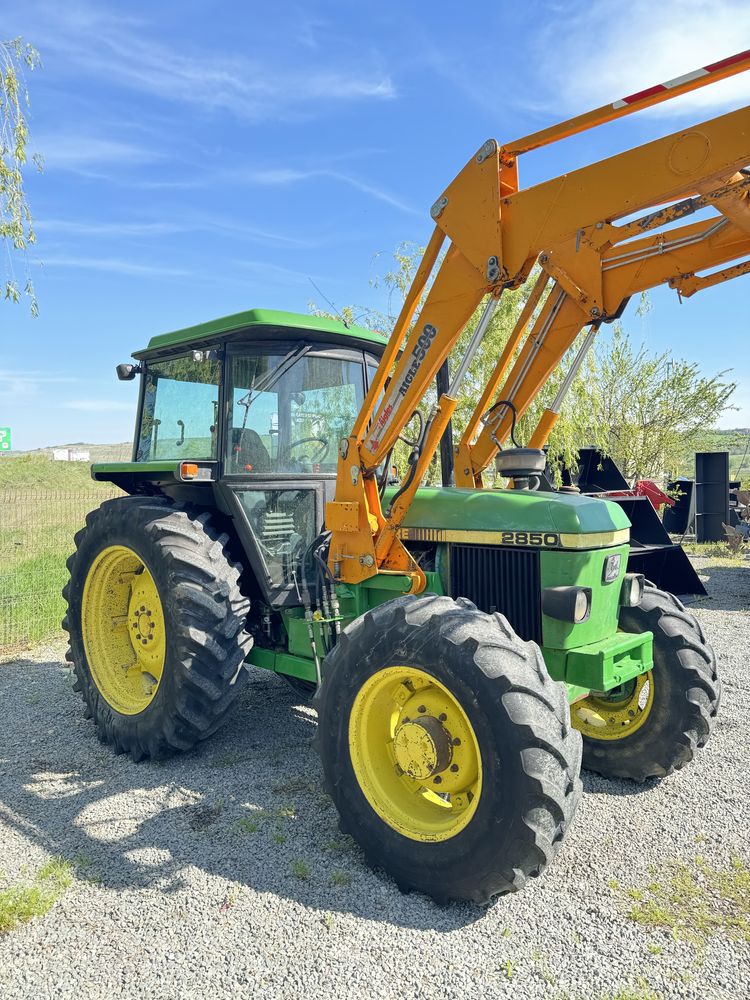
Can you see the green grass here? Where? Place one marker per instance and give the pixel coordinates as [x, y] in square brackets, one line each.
[21, 903]
[247, 825]
[696, 902]
[715, 550]
[36, 538]
[301, 869]
[341, 878]
[38, 470]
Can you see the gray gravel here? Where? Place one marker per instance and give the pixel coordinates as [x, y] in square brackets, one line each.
[189, 872]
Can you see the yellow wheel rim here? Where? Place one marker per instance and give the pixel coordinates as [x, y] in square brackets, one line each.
[616, 714]
[415, 754]
[123, 629]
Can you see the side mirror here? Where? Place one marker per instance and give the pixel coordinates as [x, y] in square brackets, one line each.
[127, 372]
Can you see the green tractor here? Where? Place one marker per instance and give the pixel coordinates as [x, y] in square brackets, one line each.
[452, 723]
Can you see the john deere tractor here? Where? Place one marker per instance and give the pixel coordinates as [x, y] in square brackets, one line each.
[468, 646]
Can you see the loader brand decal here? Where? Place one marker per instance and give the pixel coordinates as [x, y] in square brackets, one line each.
[398, 392]
[518, 539]
[418, 355]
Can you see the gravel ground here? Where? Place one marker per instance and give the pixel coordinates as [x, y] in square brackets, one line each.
[222, 873]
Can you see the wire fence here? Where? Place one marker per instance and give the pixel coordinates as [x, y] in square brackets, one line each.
[36, 538]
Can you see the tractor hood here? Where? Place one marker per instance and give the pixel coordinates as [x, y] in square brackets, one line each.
[498, 517]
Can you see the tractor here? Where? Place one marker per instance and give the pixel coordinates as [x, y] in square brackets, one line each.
[468, 647]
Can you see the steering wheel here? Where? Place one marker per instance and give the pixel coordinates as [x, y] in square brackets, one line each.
[319, 454]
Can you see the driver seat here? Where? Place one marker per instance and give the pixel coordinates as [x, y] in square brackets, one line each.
[249, 454]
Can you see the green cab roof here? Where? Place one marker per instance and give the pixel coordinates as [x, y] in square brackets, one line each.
[268, 318]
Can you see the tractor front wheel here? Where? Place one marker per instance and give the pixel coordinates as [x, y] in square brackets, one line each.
[653, 725]
[447, 748]
[156, 622]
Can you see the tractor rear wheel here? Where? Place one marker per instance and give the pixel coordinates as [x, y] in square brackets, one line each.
[156, 622]
[653, 725]
[447, 748]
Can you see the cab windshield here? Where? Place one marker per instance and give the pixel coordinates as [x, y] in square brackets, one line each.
[290, 410]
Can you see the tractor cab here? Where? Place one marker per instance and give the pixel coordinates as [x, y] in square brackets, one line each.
[258, 403]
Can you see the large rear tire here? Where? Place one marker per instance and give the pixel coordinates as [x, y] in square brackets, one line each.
[156, 622]
[653, 726]
[447, 748]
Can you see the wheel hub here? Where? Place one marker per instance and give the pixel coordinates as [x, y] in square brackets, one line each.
[415, 754]
[123, 626]
[422, 747]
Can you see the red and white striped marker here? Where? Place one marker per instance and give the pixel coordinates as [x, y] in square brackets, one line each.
[680, 80]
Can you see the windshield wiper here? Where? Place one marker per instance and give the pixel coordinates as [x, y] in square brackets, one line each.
[270, 379]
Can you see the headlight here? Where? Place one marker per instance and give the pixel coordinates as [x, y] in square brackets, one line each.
[611, 568]
[632, 589]
[567, 604]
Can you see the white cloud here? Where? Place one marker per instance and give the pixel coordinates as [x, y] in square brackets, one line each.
[609, 50]
[17, 385]
[145, 229]
[65, 151]
[98, 405]
[75, 227]
[280, 176]
[121, 50]
[116, 266]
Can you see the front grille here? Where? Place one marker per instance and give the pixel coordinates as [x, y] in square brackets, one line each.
[504, 580]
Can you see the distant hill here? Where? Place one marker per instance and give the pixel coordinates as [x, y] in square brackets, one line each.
[98, 452]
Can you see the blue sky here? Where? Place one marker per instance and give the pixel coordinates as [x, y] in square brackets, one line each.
[204, 158]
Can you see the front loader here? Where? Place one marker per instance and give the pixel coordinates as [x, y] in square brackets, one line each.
[467, 648]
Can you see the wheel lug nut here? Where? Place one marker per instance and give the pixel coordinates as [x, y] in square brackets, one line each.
[454, 768]
[421, 708]
[457, 742]
[437, 779]
[148, 613]
[143, 607]
[442, 717]
[144, 641]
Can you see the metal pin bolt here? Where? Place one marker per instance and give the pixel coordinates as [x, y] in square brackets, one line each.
[437, 209]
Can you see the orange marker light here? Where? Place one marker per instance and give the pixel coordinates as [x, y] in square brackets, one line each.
[188, 470]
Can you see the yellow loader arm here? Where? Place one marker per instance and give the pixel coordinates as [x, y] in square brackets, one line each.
[590, 266]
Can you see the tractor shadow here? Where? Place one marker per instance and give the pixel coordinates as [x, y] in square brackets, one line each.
[247, 806]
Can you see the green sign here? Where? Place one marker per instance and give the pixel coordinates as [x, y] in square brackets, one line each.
[4, 438]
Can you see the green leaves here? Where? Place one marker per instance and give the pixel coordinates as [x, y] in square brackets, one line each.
[16, 227]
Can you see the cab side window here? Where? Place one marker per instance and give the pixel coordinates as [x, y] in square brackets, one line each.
[180, 409]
